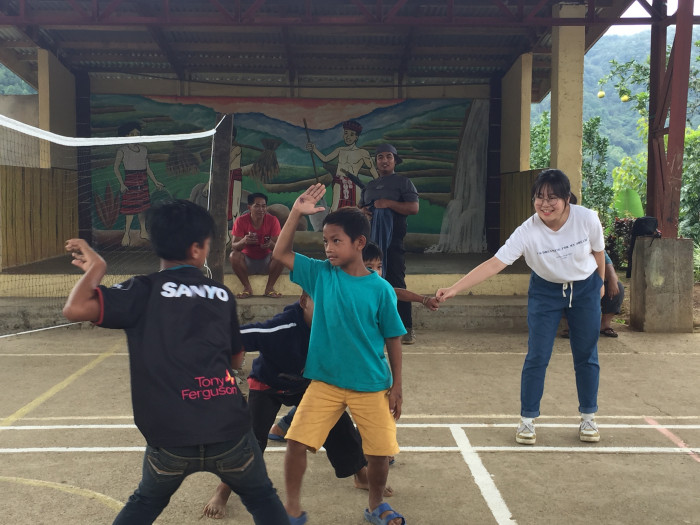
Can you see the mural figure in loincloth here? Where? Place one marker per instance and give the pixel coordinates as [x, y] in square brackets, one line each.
[350, 159]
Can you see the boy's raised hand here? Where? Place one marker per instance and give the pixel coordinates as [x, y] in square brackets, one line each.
[83, 303]
[306, 202]
[84, 257]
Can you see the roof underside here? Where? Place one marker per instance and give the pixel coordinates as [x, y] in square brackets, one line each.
[314, 43]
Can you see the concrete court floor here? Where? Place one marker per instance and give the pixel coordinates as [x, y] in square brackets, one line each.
[70, 454]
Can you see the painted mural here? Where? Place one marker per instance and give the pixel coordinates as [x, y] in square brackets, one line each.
[279, 147]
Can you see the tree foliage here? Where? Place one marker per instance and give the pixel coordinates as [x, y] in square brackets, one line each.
[596, 191]
[540, 153]
[632, 174]
[11, 84]
[689, 222]
[631, 78]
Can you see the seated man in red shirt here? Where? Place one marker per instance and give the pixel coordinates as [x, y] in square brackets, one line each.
[254, 236]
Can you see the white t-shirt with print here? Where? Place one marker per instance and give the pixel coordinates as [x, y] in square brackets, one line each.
[557, 256]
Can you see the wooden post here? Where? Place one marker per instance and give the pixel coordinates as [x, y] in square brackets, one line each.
[84, 153]
[218, 196]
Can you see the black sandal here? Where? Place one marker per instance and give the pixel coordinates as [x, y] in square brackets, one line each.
[608, 332]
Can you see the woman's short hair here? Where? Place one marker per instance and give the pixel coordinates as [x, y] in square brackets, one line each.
[127, 127]
[557, 182]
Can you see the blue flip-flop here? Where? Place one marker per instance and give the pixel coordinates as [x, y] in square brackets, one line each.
[375, 519]
[275, 437]
[298, 521]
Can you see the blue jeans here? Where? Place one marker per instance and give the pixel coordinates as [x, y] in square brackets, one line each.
[239, 465]
[545, 306]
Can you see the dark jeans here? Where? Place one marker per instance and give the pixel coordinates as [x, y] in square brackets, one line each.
[239, 465]
[343, 444]
[395, 273]
[546, 303]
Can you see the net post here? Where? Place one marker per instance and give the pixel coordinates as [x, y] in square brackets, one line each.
[218, 196]
[84, 129]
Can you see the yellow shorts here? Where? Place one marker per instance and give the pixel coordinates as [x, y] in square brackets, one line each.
[323, 404]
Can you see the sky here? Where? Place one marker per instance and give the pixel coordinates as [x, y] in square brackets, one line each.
[637, 11]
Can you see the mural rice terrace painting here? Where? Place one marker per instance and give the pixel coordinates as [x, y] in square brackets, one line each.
[281, 146]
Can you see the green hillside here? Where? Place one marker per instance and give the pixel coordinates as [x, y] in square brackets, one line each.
[618, 121]
[11, 84]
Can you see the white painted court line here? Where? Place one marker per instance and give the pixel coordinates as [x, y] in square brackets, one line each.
[68, 427]
[584, 449]
[664, 430]
[483, 479]
[83, 354]
[524, 352]
[37, 330]
[410, 416]
[400, 425]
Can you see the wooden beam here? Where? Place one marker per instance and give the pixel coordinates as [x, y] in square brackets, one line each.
[682, 45]
[218, 196]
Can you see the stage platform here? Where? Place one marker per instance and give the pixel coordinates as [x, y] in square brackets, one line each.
[31, 296]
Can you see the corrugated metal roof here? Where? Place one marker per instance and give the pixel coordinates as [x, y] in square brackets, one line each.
[341, 42]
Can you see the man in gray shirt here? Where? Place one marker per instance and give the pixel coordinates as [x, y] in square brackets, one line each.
[387, 201]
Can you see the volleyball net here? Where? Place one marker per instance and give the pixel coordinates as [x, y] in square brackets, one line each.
[53, 188]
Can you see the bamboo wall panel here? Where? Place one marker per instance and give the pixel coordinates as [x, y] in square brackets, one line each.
[516, 203]
[38, 212]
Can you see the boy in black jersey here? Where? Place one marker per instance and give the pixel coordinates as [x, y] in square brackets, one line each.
[184, 343]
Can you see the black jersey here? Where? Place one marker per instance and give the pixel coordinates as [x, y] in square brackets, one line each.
[182, 330]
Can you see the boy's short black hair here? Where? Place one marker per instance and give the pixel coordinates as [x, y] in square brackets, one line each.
[253, 196]
[371, 252]
[352, 220]
[175, 225]
[558, 184]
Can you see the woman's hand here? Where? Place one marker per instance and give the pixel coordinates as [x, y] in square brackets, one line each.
[444, 293]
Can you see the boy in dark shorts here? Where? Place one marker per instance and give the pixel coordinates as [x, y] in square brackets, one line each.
[354, 317]
[184, 344]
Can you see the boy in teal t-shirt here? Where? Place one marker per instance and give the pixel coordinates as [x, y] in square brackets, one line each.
[355, 316]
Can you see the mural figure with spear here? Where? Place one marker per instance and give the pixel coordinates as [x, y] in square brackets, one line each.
[351, 159]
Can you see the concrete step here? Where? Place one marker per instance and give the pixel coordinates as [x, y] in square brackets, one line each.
[30, 301]
[465, 312]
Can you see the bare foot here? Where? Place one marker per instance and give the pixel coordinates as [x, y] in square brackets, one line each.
[362, 483]
[144, 235]
[126, 240]
[216, 508]
[395, 521]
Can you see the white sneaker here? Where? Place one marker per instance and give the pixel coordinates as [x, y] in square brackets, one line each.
[588, 431]
[526, 434]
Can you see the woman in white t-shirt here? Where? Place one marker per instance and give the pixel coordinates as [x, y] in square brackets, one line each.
[563, 245]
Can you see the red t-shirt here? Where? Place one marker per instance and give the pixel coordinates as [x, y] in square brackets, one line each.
[270, 228]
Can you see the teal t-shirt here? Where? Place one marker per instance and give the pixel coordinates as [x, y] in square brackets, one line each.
[352, 317]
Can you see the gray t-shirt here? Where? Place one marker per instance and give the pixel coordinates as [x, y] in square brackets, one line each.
[393, 187]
